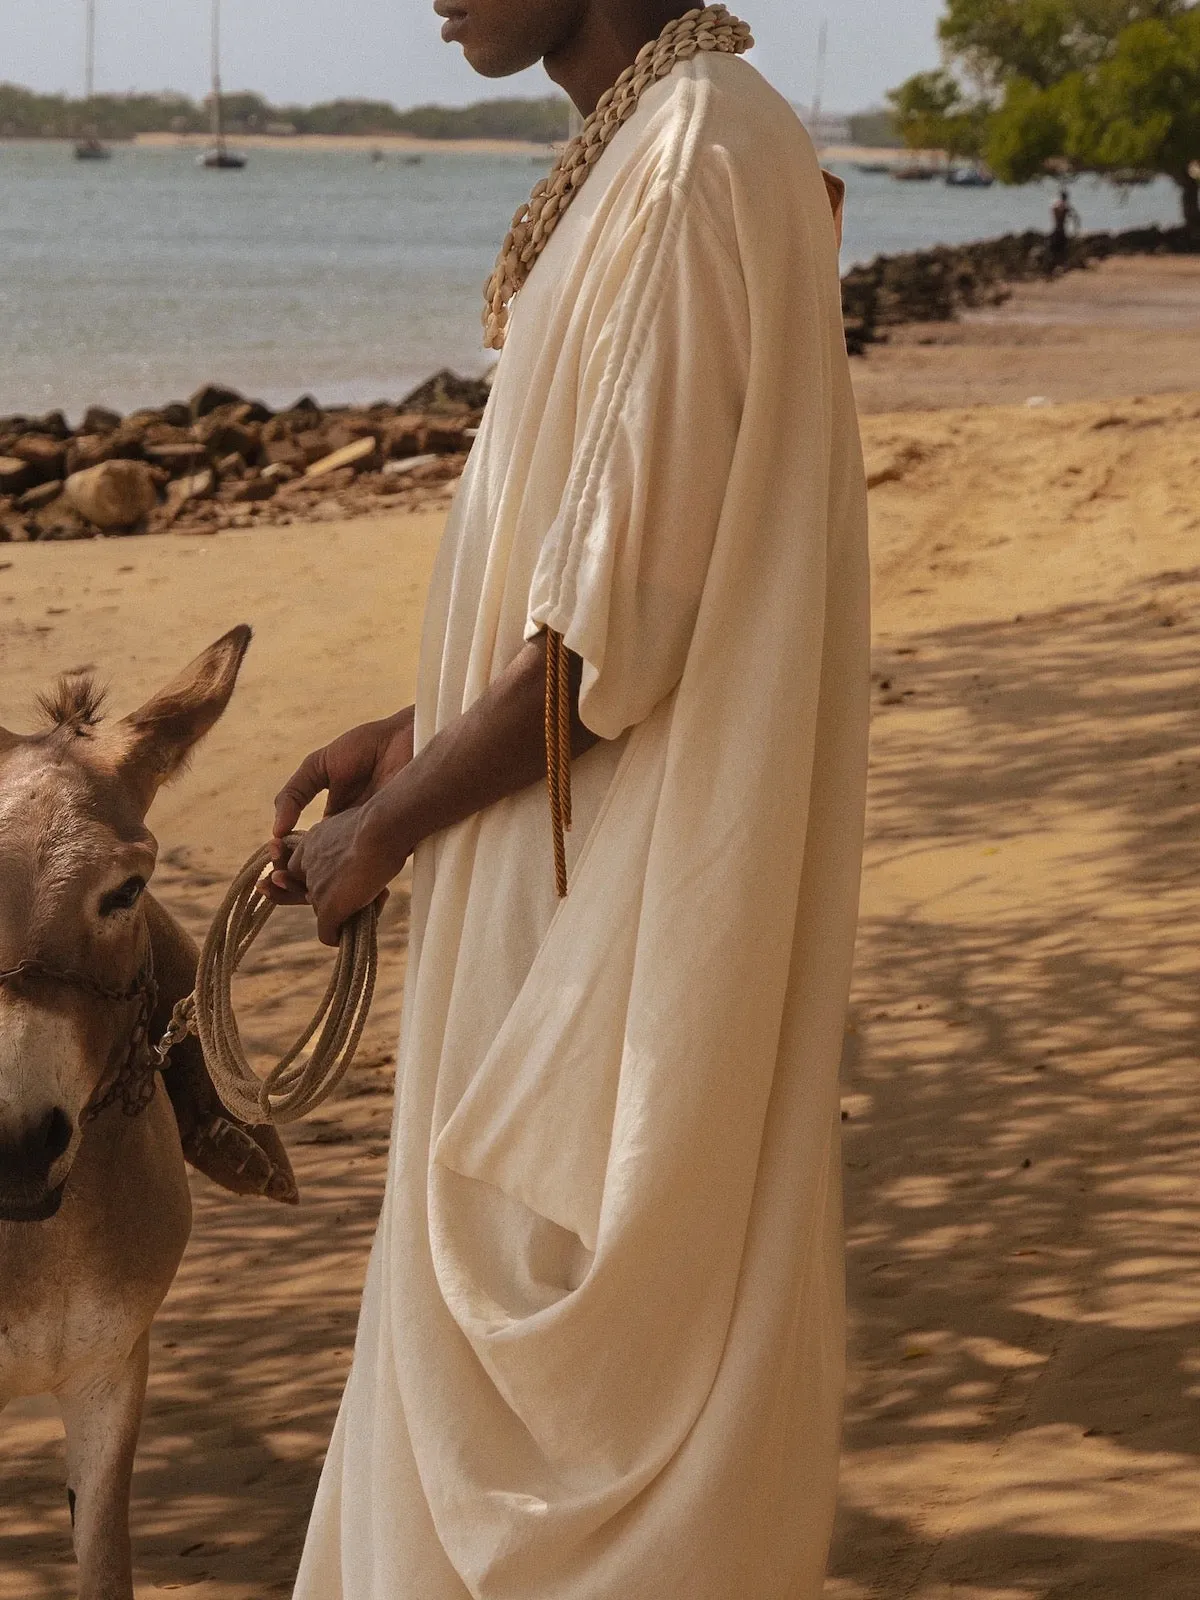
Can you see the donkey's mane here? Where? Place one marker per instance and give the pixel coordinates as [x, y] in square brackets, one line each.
[76, 702]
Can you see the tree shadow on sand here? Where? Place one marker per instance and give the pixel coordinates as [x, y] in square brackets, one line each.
[1022, 1135]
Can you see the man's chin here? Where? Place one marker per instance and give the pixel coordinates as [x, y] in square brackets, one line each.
[23, 1209]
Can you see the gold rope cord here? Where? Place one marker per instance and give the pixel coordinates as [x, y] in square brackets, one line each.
[701, 29]
[705, 28]
[558, 750]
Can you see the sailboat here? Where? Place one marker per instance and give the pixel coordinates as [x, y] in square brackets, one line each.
[89, 148]
[220, 158]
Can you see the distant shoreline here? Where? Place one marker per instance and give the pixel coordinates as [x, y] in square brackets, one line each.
[410, 144]
[353, 143]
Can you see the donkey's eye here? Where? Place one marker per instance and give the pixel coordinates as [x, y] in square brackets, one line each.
[124, 898]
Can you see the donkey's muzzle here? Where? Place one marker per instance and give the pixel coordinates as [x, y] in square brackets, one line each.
[27, 1159]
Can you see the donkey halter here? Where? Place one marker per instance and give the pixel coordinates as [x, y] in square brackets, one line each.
[135, 1080]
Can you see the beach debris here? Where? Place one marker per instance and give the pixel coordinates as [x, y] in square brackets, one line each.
[394, 469]
[356, 454]
[115, 494]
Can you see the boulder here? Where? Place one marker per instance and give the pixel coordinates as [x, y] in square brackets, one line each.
[361, 455]
[209, 398]
[177, 414]
[99, 419]
[115, 494]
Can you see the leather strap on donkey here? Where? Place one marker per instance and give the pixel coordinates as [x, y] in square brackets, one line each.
[132, 1084]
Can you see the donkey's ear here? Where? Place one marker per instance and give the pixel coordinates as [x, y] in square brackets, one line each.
[154, 741]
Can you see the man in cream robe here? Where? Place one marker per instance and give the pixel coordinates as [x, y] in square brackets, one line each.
[601, 1346]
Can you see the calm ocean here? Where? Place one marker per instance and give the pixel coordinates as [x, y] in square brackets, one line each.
[130, 282]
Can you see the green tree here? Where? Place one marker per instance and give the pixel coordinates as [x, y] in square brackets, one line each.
[1098, 85]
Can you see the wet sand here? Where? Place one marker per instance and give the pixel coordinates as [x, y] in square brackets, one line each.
[1022, 1190]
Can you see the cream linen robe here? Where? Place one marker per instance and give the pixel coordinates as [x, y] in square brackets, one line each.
[600, 1353]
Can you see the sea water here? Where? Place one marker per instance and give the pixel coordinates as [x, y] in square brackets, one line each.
[129, 282]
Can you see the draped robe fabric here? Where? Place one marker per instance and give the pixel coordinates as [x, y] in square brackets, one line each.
[601, 1346]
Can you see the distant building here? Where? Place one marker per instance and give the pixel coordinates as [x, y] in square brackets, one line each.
[826, 127]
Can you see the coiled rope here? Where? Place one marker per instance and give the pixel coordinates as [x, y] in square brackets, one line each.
[706, 28]
[294, 1087]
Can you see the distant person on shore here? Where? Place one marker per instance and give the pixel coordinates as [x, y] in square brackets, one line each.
[601, 1347]
[1067, 225]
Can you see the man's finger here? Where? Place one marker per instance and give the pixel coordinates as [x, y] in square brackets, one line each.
[309, 778]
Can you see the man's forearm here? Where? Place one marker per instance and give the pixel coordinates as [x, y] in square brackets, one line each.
[495, 749]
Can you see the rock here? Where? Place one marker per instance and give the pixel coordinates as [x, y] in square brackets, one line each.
[46, 455]
[405, 436]
[54, 425]
[446, 438]
[177, 456]
[177, 414]
[231, 466]
[446, 393]
[99, 419]
[44, 494]
[197, 486]
[252, 411]
[209, 398]
[280, 472]
[254, 489]
[90, 449]
[223, 438]
[115, 494]
[287, 453]
[15, 475]
[361, 455]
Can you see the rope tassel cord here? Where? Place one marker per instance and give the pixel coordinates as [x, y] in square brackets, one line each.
[558, 750]
[295, 1087]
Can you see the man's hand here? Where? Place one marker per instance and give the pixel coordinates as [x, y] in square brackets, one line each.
[352, 769]
[339, 867]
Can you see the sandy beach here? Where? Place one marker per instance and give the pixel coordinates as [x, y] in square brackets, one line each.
[1023, 1205]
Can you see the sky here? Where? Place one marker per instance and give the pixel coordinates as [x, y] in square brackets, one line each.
[304, 51]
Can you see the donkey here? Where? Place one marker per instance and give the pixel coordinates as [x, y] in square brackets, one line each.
[94, 1204]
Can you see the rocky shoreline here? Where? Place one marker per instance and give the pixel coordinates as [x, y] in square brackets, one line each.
[935, 285]
[220, 460]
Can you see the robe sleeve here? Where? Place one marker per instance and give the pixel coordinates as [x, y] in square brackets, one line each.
[662, 391]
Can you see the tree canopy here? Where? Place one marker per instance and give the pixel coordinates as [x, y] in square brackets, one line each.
[28, 115]
[1107, 86]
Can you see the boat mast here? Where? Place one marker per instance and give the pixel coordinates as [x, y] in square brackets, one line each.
[89, 54]
[218, 131]
[819, 89]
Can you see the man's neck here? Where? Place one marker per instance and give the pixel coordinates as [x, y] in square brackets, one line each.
[607, 41]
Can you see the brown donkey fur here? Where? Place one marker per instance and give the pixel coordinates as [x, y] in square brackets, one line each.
[94, 1209]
